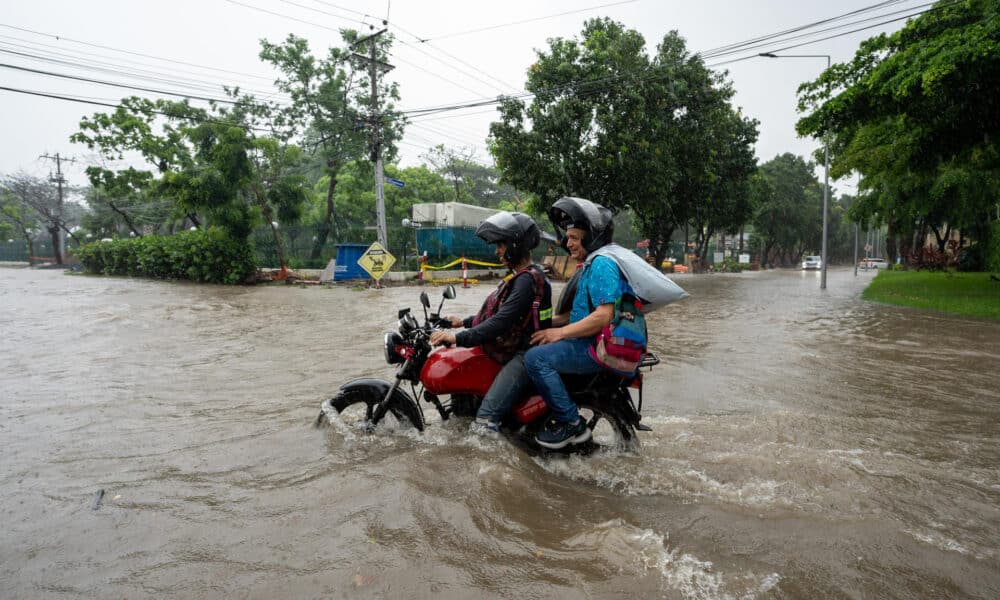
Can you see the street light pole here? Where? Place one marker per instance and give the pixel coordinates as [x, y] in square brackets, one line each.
[826, 165]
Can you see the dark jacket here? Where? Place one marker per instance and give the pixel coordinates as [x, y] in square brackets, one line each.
[510, 314]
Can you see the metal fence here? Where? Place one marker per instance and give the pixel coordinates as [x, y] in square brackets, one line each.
[17, 251]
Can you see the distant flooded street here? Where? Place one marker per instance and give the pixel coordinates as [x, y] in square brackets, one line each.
[805, 444]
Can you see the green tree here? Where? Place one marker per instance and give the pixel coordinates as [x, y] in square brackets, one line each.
[38, 196]
[355, 196]
[474, 182]
[330, 104]
[18, 218]
[609, 123]
[787, 207]
[915, 114]
[231, 163]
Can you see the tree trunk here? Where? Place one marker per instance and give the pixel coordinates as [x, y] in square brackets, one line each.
[277, 238]
[54, 232]
[327, 226]
[125, 217]
[30, 245]
[660, 246]
[266, 211]
[890, 242]
[765, 256]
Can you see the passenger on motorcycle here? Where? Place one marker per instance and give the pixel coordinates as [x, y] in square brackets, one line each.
[520, 306]
[565, 348]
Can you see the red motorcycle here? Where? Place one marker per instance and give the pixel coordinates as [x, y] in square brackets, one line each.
[465, 375]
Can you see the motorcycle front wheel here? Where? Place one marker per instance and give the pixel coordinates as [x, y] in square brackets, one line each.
[355, 405]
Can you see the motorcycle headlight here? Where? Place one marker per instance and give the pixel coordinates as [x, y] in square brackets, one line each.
[392, 340]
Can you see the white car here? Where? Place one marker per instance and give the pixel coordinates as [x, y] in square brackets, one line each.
[873, 263]
[812, 262]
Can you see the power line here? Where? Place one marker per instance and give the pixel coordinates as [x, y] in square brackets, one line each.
[202, 87]
[523, 21]
[66, 39]
[112, 84]
[281, 15]
[53, 56]
[453, 57]
[737, 45]
[753, 45]
[466, 73]
[576, 86]
[81, 100]
[830, 37]
[438, 75]
[323, 12]
[579, 87]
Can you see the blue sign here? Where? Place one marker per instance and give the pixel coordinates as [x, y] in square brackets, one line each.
[394, 182]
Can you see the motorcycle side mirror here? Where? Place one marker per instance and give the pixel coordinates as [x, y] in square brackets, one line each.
[425, 300]
[449, 294]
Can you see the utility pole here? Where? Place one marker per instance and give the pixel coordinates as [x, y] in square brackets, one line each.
[59, 181]
[374, 65]
[856, 227]
[826, 160]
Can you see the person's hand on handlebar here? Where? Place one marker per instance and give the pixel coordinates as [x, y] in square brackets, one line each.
[439, 338]
[451, 321]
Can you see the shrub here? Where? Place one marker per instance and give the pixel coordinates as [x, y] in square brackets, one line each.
[992, 253]
[732, 265]
[929, 258]
[208, 256]
[972, 258]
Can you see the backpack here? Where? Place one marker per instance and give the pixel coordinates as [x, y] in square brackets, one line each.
[510, 342]
[621, 344]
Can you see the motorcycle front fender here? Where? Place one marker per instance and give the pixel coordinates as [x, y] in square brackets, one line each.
[375, 388]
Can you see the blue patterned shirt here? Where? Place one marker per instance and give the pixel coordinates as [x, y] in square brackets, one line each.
[602, 282]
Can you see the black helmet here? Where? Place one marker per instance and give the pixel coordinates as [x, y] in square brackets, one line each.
[517, 230]
[568, 212]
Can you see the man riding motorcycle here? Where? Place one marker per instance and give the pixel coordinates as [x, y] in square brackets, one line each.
[565, 348]
[520, 306]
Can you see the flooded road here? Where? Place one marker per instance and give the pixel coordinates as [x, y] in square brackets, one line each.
[805, 444]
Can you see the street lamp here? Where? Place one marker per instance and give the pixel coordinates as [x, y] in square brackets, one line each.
[826, 167]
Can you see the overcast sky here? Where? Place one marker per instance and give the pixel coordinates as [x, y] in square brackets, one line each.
[475, 51]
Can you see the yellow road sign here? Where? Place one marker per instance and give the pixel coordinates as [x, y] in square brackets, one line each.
[376, 261]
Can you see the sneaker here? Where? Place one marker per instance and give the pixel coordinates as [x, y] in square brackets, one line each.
[484, 427]
[558, 435]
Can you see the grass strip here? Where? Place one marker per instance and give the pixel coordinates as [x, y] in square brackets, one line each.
[972, 294]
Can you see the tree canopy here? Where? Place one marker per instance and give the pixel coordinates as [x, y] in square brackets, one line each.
[915, 114]
[607, 122]
[787, 202]
[232, 163]
[331, 104]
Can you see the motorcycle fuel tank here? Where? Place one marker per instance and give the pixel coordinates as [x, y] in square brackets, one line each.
[459, 371]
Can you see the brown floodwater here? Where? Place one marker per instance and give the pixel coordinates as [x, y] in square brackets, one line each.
[805, 444]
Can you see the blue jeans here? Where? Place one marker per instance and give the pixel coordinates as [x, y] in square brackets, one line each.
[510, 385]
[545, 363]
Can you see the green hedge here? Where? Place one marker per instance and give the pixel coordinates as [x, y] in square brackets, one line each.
[993, 250]
[205, 255]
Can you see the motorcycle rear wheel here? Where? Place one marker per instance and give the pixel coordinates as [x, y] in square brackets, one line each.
[405, 411]
[610, 430]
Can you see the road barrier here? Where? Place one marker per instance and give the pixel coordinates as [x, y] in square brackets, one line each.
[425, 270]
